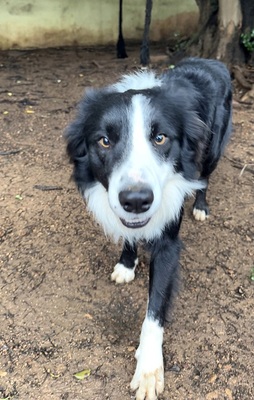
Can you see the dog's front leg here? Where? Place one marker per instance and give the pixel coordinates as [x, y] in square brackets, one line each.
[148, 379]
[124, 270]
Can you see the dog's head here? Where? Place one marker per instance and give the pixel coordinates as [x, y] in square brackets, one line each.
[136, 156]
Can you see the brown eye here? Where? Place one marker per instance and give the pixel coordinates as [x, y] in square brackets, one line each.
[104, 142]
[160, 139]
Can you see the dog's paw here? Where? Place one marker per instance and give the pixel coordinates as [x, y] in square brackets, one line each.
[148, 380]
[148, 385]
[121, 274]
[200, 215]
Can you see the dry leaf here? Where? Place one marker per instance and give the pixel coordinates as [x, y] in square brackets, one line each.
[82, 374]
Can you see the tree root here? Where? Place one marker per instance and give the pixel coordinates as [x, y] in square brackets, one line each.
[240, 78]
[245, 81]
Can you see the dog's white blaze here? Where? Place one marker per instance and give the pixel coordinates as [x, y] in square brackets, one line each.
[149, 373]
[141, 167]
[138, 81]
[139, 152]
[142, 164]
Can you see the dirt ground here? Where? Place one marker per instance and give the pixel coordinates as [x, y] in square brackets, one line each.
[60, 313]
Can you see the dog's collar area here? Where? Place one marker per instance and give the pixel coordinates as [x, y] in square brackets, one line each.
[135, 224]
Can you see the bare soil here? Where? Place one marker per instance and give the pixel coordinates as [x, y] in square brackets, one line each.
[60, 313]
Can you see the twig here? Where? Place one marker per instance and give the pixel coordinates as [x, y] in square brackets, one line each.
[9, 152]
[96, 64]
[247, 169]
[237, 165]
[45, 187]
[42, 277]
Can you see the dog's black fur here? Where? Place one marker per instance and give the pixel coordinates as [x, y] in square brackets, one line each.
[192, 106]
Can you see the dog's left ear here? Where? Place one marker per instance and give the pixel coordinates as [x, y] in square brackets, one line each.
[193, 146]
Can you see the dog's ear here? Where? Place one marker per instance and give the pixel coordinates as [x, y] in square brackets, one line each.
[76, 133]
[76, 136]
[196, 134]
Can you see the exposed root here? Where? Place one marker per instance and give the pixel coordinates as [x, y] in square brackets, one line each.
[240, 78]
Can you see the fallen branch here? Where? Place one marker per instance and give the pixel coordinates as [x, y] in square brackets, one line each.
[9, 152]
[239, 103]
[45, 187]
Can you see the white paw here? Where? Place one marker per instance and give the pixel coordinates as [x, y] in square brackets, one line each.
[148, 380]
[148, 385]
[199, 215]
[121, 274]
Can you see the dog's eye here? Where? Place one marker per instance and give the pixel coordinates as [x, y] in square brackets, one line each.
[160, 139]
[104, 142]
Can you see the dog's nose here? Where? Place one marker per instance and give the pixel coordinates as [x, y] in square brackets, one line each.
[136, 201]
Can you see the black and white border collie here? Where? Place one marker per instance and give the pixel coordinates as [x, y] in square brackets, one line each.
[139, 147]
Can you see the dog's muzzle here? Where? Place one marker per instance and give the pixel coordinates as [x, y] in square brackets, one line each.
[136, 201]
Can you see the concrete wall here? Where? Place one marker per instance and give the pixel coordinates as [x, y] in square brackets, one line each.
[45, 23]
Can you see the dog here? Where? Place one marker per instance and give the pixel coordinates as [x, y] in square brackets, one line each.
[138, 148]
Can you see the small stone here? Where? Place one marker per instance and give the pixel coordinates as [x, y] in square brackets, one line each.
[212, 395]
[228, 393]
[131, 348]
[175, 368]
[213, 378]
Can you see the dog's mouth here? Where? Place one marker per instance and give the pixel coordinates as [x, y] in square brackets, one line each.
[135, 224]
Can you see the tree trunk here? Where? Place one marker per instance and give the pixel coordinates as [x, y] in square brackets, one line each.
[220, 26]
[230, 23]
[144, 50]
[120, 46]
[208, 24]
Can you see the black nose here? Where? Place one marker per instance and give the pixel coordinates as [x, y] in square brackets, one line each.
[136, 201]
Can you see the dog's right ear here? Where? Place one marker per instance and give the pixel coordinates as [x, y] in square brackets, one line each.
[77, 135]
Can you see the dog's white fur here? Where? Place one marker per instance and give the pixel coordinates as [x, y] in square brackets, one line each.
[149, 375]
[138, 81]
[121, 274]
[199, 215]
[174, 193]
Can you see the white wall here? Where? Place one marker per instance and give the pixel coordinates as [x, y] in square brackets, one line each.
[45, 23]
